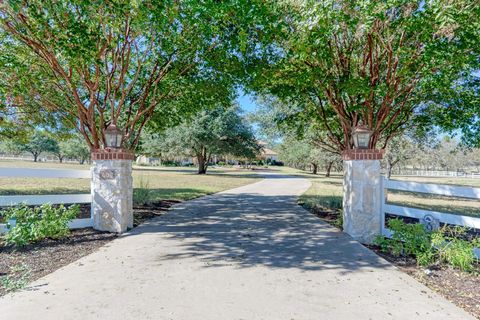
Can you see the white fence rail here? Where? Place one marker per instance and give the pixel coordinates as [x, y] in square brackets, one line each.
[6, 201]
[436, 173]
[436, 189]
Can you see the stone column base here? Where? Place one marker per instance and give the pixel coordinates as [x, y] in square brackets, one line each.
[362, 183]
[112, 192]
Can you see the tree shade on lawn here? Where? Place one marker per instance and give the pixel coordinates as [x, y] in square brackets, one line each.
[219, 131]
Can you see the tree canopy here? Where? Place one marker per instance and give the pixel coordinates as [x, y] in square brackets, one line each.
[122, 62]
[344, 62]
[211, 132]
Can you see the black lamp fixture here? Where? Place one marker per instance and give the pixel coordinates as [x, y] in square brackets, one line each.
[113, 137]
[361, 136]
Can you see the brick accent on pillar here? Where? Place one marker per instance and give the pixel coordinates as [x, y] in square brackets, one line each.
[362, 154]
[112, 154]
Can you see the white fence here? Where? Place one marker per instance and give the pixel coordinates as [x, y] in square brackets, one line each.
[437, 189]
[6, 201]
[436, 173]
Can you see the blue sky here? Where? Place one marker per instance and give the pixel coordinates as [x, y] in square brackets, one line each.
[246, 102]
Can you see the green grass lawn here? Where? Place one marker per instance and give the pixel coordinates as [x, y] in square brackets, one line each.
[176, 183]
[328, 193]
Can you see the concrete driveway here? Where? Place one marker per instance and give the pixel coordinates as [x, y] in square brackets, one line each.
[248, 253]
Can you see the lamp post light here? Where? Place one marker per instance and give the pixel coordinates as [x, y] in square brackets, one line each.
[113, 137]
[112, 192]
[362, 185]
[361, 136]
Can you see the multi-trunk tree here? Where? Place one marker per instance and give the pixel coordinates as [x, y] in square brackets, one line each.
[116, 62]
[99, 64]
[345, 62]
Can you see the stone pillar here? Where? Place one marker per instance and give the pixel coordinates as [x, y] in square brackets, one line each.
[112, 190]
[362, 183]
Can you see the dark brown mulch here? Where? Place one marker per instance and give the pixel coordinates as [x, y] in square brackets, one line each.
[38, 259]
[145, 212]
[328, 215]
[461, 288]
[46, 256]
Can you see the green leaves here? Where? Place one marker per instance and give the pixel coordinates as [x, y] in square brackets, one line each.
[375, 61]
[33, 224]
[217, 131]
[93, 63]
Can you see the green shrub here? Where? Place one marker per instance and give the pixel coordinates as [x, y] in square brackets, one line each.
[339, 221]
[143, 194]
[445, 245]
[408, 239]
[453, 249]
[33, 224]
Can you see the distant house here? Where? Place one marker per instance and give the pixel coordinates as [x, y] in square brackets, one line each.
[266, 153]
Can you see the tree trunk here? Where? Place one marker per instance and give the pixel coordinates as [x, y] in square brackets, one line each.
[329, 169]
[35, 157]
[389, 169]
[60, 158]
[314, 168]
[202, 159]
[201, 164]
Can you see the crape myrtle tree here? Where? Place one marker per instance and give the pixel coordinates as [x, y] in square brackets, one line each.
[122, 63]
[117, 62]
[345, 62]
[218, 131]
[456, 109]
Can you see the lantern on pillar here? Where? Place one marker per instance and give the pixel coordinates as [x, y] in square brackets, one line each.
[113, 137]
[361, 136]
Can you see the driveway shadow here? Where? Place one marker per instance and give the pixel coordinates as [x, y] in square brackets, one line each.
[247, 230]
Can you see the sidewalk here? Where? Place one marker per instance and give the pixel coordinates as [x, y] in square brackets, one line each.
[248, 253]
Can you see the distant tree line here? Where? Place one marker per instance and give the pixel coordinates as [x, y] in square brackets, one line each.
[40, 142]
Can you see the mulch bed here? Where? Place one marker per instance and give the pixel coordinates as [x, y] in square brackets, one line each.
[38, 259]
[328, 215]
[461, 288]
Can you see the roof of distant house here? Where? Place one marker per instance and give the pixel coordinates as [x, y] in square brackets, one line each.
[267, 151]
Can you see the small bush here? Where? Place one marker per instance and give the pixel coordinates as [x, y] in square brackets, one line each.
[143, 194]
[277, 163]
[445, 245]
[453, 249]
[408, 239]
[33, 224]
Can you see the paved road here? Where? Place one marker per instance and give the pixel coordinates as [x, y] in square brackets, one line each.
[249, 253]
